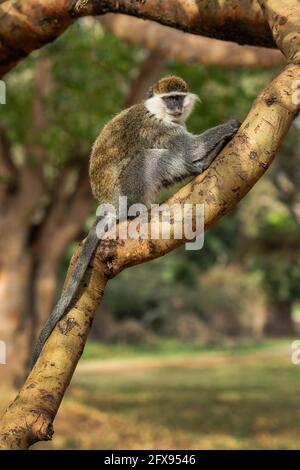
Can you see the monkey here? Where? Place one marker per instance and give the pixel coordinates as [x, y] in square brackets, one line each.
[142, 149]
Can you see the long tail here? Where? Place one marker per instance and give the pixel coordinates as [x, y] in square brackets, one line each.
[81, 265]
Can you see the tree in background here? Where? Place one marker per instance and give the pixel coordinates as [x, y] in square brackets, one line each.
[44, 192]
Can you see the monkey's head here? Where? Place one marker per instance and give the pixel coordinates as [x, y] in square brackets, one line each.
[170, 99]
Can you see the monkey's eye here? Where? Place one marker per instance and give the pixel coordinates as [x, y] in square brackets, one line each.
[172, 98]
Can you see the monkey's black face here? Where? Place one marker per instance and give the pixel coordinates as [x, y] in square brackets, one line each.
[174, 104]
[173, 107]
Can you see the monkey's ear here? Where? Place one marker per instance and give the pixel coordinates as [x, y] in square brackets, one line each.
[150, 93]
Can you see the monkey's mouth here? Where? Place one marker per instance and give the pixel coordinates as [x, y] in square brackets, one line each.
[175, 114]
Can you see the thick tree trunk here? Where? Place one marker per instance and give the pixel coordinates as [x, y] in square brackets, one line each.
[45, 283]
[28, 280]
[14, 324]
[280, 321]
[15, 267]
[27, 285]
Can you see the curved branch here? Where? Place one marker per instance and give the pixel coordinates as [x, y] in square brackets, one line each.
[26, 26]
[186, 47]
[245, 159]
[284, 20]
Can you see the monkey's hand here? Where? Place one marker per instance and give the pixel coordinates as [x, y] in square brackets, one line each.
[209, 144]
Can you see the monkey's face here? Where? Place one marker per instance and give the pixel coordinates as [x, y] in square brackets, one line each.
[173, 107]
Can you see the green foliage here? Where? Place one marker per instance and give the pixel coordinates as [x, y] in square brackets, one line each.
[281, 275]
[232, 301]
[224, 298]
[141, 297]
[90, 74]
[271, 239]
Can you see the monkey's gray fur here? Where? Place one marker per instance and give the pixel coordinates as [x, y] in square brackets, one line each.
[141, 150]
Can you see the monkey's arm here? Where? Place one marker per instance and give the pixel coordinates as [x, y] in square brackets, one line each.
[188, 154]
[208, 145]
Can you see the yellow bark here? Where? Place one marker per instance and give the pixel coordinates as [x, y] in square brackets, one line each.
[246, 158]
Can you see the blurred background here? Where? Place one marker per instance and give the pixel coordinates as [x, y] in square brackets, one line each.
[192, 350]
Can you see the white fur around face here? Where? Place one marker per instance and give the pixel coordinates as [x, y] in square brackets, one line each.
[157, 106]
[188, 105]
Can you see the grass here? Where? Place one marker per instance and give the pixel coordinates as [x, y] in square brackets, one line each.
[169, 347]
[192, 400]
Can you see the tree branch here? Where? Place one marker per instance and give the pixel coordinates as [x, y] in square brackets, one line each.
[26, 26]
[244, 160]
[186, 47]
